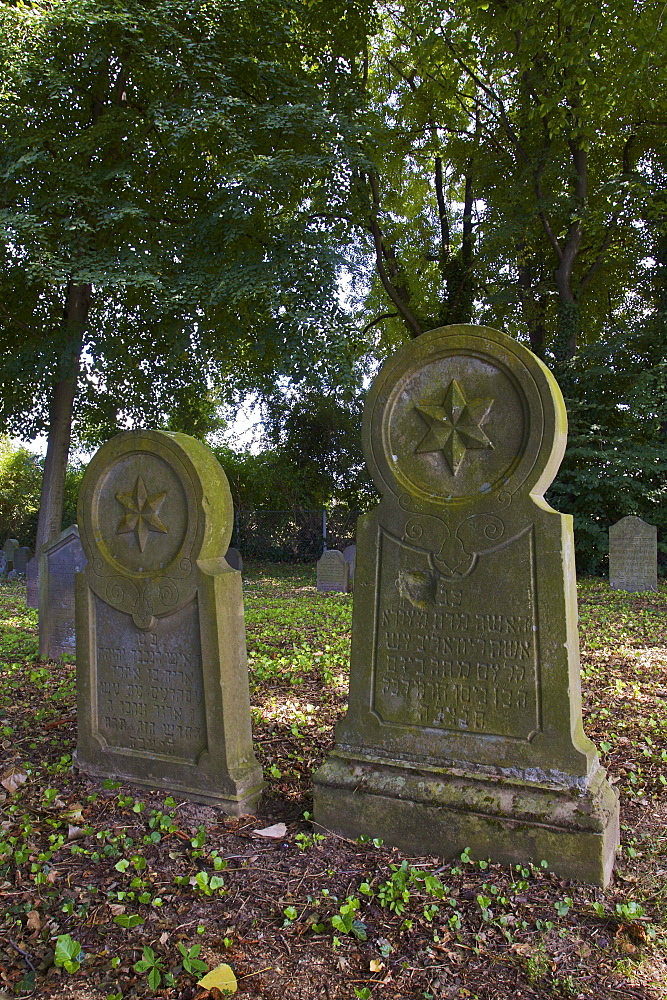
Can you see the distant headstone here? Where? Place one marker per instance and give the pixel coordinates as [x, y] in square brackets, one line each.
[9, 548]
[633, 555]
[350, 556]
[333, 572]
[32, 583]
[162, 676]
[22, 556]
[464, 723]
[234, 559]
[12, 575]
[59, 561]
[3, 564]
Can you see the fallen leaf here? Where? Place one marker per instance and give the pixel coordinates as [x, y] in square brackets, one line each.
[13, 778]
[275, 832]
[164, 937]
[116, 909]
[222, 978]
[52, 876]
[376, 965]
[75, 832]
[34, 921]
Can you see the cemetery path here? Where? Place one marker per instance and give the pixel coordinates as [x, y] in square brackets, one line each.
[111, 891]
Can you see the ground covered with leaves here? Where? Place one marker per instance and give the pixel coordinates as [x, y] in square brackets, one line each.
[110, 892]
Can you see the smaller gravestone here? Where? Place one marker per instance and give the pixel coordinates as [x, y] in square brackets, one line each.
[350, 556]
[21, 558]
[59, 560]
[10, 547]
[31, 583]
[234, 559]
[3, 565]
[333, 572]
[162, 675]
[633, 555]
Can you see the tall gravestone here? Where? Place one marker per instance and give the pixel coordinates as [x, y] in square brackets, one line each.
[464, 722]
[59, 561]
[32, 583]
[350, 557]
[633, 555]
[333, 572]
[161, 657]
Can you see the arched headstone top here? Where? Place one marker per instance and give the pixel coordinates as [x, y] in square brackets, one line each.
[151, 505]
[462, 414]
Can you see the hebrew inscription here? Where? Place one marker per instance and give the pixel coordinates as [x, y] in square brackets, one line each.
[150, 694]
[446, 660]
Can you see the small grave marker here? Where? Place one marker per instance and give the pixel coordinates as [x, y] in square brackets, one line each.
[633, 555]
[162, 676]
[22, 556]
[464, 723]
[333, 572]
[9, 548]
[59, 561]
[234, 559]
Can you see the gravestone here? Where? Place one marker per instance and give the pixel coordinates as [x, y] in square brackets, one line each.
[9, 548]
[333, 573]
[59, 561]
[464, 722]
[162, 676]
[633, 555]
[22, 556]
[3, 564]
[234, 559]
[350, 556]
[32, 583]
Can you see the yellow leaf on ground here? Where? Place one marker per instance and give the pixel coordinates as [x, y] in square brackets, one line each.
[376, 965]
[221, 977]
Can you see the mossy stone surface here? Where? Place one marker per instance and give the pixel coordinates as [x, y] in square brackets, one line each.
[465, 656]
[162, 676]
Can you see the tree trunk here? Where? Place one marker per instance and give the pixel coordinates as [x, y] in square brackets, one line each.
[60, 416]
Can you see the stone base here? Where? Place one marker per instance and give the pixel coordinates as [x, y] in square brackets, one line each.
[574, 827]
[243, 801]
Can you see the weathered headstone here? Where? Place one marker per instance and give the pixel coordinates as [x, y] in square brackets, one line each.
[333, 573]
[350, 557]
[59, 561]
[22, 556]
[162, 676]
[234, 559]
[32, 583]
[464, 721]
[9, 548]
[3, 564]
[633, 555]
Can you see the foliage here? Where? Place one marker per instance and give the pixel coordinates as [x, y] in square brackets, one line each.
[513, 158]
[20, 483]
[616, 460]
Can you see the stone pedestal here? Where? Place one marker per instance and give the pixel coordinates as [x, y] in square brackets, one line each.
[161, 658]
[464, 721]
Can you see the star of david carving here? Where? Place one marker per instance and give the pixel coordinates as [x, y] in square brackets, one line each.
[141, 512]
[454, 427]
